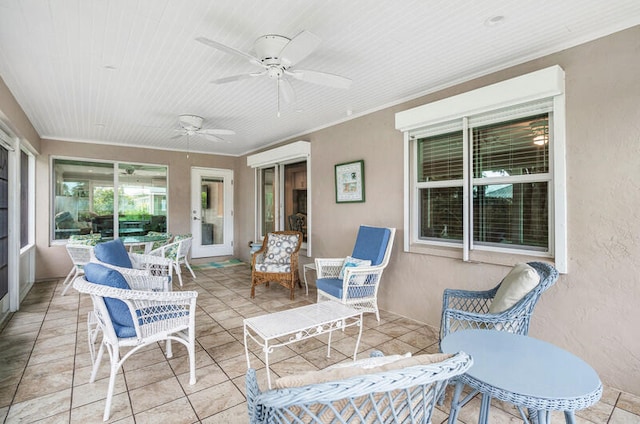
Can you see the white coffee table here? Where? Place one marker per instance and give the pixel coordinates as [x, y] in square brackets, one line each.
[294, 325]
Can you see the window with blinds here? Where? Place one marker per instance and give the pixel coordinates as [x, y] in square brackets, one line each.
[507, 177]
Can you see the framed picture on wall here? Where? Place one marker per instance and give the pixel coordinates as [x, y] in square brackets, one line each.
[350, 182]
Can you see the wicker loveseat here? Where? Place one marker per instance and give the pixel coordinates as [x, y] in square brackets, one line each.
[402, 391]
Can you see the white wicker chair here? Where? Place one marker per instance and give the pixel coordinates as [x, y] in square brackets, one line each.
[177, 253]
[154, 315]
[80, 255]
[358, 286]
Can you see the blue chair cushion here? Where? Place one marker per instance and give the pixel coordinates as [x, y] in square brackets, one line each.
[113, 253]
[118, 310]
[333, 287]
[371, 244]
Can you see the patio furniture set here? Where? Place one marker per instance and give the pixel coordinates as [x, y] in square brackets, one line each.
[483, 337]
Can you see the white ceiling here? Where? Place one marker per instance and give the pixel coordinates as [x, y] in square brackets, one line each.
[121, 71]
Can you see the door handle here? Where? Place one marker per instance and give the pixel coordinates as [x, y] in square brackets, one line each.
[195, 218]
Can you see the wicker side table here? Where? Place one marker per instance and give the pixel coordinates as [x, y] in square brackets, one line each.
[524, 371]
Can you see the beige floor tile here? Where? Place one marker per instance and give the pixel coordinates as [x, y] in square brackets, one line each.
[91, 392]
[41, 407]
[215, 399]
[147, 375]
[178, 411]
[236, 366]
[205, 377]
[120, 411]
[155, 394]
[234, 415]
[629, 403]
[620, 416]
[227, 351]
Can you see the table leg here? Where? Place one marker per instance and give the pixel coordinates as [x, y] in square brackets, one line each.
[455, 403]
[569, 417]
[355, 351]
[485, 404]
[266, 361]
[246, 348]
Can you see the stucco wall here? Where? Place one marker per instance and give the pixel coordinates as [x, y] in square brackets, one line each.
[593, 310]
[52, 260]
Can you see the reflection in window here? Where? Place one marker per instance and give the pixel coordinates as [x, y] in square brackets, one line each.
[509, 164]
[85, 198]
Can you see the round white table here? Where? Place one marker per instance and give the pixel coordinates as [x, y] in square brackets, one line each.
[524, 371]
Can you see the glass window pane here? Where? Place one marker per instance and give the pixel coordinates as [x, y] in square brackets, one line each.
[212, 210]
[440, 157]
[519, 147]
[295, 197]
[441, 213]
[513, 214]
[4, 221]
[24, 199]
[267, 206]
[142, 194]
[83, 195]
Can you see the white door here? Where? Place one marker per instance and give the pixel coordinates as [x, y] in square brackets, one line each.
[211, 212]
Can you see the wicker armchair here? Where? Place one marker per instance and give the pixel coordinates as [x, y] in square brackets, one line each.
[277, 261]
[383, 394]
[131, 312]
[177, 252]
[464, 309]
[355, 280]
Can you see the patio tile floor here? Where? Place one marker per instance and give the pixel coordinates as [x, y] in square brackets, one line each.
[45, 364]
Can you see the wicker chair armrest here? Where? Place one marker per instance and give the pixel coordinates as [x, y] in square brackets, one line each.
[362, 275]
[470, 294]
[328, 267]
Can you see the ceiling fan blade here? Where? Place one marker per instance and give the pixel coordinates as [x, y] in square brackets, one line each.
[288, 95]
[321, 78]
[210, 136]
[176, 136]
[234, 78]
[300, 46]
[229, 50]
[216, 131]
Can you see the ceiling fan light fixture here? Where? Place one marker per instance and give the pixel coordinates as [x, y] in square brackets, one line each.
[191, 122]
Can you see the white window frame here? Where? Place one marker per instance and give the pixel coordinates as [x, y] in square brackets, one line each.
[546, 83]
[298, 151]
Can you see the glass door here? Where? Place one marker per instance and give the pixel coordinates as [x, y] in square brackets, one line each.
[211, 212]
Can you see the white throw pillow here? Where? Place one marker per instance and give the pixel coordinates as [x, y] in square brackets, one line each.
[519, 281]
[352, 262]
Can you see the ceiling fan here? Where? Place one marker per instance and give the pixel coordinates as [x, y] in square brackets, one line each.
[276, 55]
[191, 125]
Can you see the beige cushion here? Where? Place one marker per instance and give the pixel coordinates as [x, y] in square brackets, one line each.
[519, 281]
[371, 362]
[341, 373]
